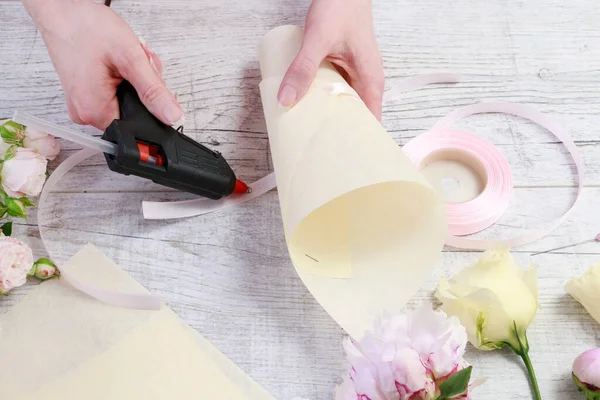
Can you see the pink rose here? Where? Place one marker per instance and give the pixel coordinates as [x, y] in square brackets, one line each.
[15, 262]
[24, 174]
[44, 143]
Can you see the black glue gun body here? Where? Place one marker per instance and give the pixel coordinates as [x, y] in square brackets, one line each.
[150, 149]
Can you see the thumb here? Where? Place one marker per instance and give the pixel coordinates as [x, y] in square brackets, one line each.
[153, 92]
[301, 72]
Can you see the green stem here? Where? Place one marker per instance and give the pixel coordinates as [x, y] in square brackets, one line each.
[536, 390]
[523, 352]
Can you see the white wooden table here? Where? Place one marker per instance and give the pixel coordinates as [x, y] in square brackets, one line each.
[228, 274]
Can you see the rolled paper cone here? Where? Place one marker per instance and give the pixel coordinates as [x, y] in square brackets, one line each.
[363, 227]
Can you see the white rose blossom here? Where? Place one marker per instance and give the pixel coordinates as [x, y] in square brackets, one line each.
[24, 173]
[495, 300]
[42, 142]
[586, 290]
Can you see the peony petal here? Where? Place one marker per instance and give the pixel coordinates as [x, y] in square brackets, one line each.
[409, 371]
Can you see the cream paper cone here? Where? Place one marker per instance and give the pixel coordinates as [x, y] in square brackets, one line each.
[60, 344]
[363, 227]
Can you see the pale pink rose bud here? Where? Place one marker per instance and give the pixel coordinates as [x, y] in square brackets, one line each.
[44, 143]
[15, 207]
[15, 262]
[24, 173]
[586, 373]
[12, 133]
[44, 269]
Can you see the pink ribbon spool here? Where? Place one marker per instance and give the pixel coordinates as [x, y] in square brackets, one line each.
[468, 217]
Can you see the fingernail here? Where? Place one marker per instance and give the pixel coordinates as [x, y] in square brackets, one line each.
[179, 122]
[172, 113]
[287, 96]
[153, 65]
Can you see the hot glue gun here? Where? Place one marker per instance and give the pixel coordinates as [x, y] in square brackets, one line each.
[139, 144]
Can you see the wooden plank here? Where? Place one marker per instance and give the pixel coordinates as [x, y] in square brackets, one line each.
[240, 227]
[228, 273]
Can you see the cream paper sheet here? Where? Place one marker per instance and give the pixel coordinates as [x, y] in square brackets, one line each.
[363, 226]
[60, 344]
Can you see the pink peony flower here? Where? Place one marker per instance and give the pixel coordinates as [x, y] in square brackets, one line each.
[24, 174]
[15, 262]
[586, 373]
[44, 143]
[404, 358]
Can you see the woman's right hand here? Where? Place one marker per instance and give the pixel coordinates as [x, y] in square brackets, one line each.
[93, 50]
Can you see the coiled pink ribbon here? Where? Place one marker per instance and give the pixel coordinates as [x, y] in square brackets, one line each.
[483, 211]
[478, 214]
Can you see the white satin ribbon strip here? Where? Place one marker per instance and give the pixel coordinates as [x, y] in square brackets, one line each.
[191, 208]
[120, 299]
[417, 82]
[195, 207]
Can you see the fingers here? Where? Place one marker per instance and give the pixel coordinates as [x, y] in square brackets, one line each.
[135, 66]
[361, 62]
[369, 83]
[95, 104]
[303, 70]
[154, 59]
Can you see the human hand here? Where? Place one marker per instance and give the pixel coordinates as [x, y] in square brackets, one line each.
[93, 49]
[340, 31]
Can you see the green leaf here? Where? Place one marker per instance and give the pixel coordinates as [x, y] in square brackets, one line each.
[12, 126]
[7, 228]
[27, 202]
[456, 384]
[5, 134]
[10, 153]
[16, 208]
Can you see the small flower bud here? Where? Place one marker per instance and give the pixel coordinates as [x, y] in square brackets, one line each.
[12, 133]
[44, 269]
[586, 373]
[15, 207]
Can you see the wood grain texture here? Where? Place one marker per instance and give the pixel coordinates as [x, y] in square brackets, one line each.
[228, 274]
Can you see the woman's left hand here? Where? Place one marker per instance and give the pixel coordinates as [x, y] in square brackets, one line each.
[340, 31]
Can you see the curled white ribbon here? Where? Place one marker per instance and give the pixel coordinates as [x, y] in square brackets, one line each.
[120, 299]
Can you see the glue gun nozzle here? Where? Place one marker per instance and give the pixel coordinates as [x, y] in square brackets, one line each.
[241, 188]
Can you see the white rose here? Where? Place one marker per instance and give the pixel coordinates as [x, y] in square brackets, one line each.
[44, 143]
[586, 290]
[15, 262]
[24, 174]
[494, 299]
